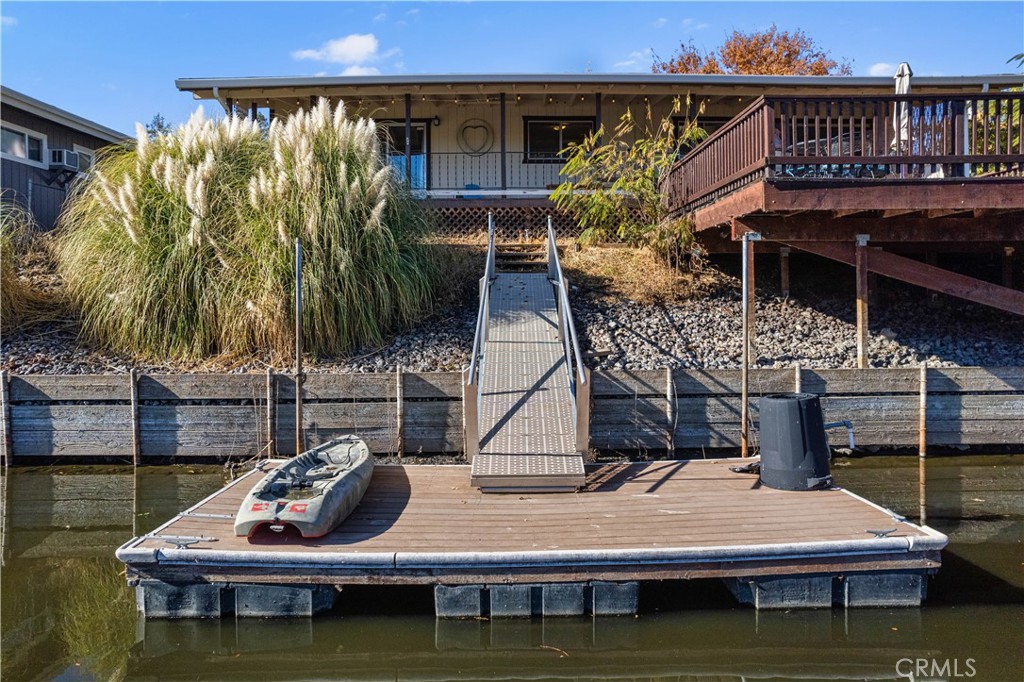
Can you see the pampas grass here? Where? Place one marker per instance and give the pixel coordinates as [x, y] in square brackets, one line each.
[182, 246]
[20, 302]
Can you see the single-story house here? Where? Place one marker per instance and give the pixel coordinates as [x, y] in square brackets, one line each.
[42, 149]
[490, 136]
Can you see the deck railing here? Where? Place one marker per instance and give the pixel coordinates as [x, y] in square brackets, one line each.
[853, 138]
[462, 172]
[471, 388]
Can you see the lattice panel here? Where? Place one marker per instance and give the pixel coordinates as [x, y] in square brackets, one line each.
[512, 222]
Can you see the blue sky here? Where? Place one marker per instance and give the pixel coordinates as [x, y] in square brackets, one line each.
[115, 62]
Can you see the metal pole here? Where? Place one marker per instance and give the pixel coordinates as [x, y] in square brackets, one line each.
[922, 446]
[298, 346]
[748, 315]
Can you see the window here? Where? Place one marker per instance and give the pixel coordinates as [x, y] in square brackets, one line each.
[547, 137]
[21, 144]
[85, 158]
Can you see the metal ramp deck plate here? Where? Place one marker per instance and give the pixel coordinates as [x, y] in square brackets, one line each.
[527, 425]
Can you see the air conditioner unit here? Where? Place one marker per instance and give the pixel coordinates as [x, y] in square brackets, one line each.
[63, 160]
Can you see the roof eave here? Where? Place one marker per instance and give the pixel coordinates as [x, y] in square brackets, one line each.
[57, 115]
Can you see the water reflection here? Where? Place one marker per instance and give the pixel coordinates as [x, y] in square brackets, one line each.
[67, 614]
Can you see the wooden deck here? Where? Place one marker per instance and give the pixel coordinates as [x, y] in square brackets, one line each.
[527, 426]
[430, 525]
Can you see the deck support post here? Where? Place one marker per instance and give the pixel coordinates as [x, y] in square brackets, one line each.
[747, 251]
[504, 142]
[922, 446]
[597, 111]
[784, 271]
[1008, 267]
[133, 380]
[253, 111]
[862, 300]
[798, 379]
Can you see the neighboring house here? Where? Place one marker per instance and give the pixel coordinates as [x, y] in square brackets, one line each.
[43, 149]
[498, 136]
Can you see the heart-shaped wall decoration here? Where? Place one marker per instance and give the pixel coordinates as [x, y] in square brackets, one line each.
[475, 137]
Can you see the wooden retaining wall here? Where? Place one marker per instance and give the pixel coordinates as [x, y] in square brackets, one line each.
[240, 415]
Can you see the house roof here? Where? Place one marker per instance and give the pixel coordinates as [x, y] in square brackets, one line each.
[32, 105]
[205, 88]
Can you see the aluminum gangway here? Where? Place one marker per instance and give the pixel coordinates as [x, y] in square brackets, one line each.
[526, 391]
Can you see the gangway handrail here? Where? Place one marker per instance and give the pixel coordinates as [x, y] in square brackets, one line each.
[483, 310]
[579, 388]
[571, 338]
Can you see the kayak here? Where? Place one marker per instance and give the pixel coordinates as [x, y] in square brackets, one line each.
[313, 492]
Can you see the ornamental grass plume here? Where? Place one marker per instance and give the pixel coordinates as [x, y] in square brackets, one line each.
[181, 245]
[21, 303]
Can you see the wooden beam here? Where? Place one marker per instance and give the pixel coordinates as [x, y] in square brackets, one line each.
[822, 227]
[923, 275]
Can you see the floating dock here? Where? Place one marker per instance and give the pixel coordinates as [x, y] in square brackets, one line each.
[543, 554]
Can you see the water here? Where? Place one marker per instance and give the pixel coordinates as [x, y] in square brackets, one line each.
[66, 613]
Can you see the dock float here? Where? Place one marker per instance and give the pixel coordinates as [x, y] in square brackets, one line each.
[547, 554]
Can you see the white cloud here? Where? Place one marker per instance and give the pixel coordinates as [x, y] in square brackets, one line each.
[882, 69]
[8, 20]
[693, 24]
[360, 70]
[413, 12]
[380, 18]
[660, 22]
[640, 59]
[355, 48]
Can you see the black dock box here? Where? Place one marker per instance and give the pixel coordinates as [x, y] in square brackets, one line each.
[794, 449]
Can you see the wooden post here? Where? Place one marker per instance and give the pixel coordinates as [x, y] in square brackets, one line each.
[5, 414]
[504, 142]
[133, 379]
[922, 445]
[1008, 267]
[298, 347]
[583, 415]
[597, 111]
[862, 300]
[784, 271]
[271, 414]
[470, 421]
[399, 411]
[254, 111]
[798, 379]
[670, 412]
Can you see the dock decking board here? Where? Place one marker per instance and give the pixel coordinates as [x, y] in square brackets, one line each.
[430, 524]
[527, 425]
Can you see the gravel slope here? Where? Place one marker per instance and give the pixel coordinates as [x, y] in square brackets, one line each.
[702, 333]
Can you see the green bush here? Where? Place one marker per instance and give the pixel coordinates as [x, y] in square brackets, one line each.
[182, 244]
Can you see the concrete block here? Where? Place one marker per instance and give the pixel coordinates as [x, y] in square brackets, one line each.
[614, 599]
[783, 592]
[157, 599]
[282, 601]
[882, 589]
[459, 601]
[562, 599]
[511, 601]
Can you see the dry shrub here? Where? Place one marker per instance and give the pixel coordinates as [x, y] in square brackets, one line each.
[635, 273]
[21, 302]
